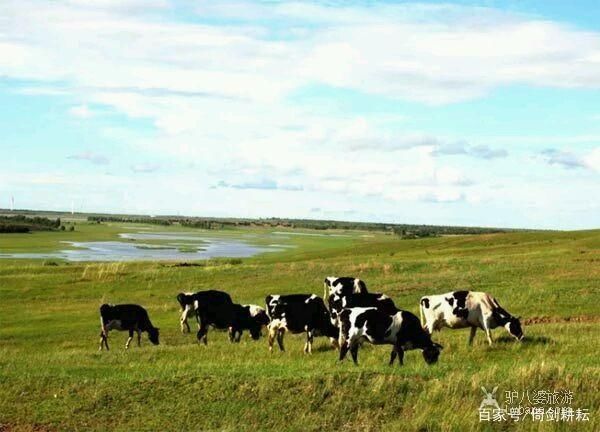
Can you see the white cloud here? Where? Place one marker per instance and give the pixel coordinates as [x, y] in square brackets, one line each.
[592, 159]
[218, 93]
[95, 158]
[81, 111]
[145, 168]
[462, 148]
[571, 160]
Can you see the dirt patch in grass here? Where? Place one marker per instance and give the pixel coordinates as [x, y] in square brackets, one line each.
[551, 320]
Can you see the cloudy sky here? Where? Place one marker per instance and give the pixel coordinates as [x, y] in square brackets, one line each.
[462, 113]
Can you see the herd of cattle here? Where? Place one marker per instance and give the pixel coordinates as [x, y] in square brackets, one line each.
[353, 316]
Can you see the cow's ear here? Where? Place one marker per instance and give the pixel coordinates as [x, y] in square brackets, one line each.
[435, 344]
[519, 318]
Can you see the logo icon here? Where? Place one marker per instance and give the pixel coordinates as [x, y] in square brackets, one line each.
[489, 400]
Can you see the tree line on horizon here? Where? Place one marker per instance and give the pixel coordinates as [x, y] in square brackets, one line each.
[406, 231]
[25, 224]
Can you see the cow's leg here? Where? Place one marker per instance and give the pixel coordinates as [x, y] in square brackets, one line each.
[393, 356]
[309, 341]
[231, 334]
[272, 335]
[343, 349]
[103, 340]
[280, 334]
[488, 332]
[472, 335]
[129, 339]
[202, 332]
[354, 353]
[185, 327]
[400, 353]
[239, 335]
[139, 338]
[428, 326]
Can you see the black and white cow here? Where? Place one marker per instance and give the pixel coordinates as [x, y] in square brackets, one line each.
[379, 301]
[343, 286]
[247, 317]
[215, 308]
[126, 317]
[402, 330]
[461, 309]
[298, 313]
[188, 308]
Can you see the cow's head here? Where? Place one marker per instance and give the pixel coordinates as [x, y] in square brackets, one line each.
[153, 335]
[513, 326]
[432, 353]
[184, 299]
[261, 318]
[255, 332]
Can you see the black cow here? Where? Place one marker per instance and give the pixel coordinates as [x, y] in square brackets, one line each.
[379, 301]
[215, 308]
[299, 313]
[343, 286]
[126, 317]
[247, 317]
[402, 330]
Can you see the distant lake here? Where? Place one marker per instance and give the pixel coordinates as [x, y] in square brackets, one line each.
[169, 247]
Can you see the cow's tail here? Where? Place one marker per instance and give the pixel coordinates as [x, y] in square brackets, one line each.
[421, 312]
[326, 289]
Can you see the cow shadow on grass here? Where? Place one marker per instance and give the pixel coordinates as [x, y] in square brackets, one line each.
[323, 348]
[527, 340]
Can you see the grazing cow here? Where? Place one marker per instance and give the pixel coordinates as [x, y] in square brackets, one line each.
[188, 307]
[401, 330]
[461, 309]
[213, 308]
[247, 317]
[343, 286]
[299, 313]
[126, 317]
[379, 301]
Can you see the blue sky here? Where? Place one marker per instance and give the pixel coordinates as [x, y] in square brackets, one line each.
[471, 113]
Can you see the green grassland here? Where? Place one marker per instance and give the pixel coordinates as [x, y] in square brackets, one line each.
[53, 378]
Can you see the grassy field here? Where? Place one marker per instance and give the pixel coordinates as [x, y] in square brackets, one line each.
[53, 378]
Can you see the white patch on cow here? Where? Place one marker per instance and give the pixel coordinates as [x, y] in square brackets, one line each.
[277, 324]
[356, 334]
[312, 297]
[331, 279]
[254, 309]
[274, 300]
[395, 328]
